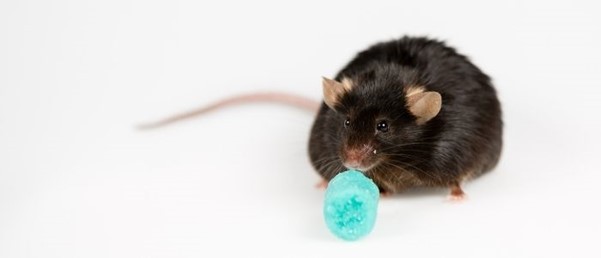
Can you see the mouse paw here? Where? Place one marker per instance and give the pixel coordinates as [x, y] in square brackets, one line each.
[457, 195]
[323, 184]
[456, 198]
[386, 194]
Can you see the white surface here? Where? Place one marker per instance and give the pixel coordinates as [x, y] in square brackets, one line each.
[77, 181]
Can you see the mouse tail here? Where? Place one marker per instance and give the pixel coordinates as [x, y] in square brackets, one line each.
[273, 97]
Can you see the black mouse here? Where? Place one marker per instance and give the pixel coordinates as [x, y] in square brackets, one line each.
[408, 112]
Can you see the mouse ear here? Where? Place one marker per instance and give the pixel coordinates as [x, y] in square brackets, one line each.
[424, 105]
[334, 90]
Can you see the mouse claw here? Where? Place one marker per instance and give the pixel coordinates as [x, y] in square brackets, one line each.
[323, 184]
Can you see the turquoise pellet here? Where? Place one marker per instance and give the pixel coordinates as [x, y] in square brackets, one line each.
[351, 205]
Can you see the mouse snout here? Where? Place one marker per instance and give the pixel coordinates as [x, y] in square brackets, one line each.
[358, 157]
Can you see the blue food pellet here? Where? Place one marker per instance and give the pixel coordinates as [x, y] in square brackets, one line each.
[351, 205]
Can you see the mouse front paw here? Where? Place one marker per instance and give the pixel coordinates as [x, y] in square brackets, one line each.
[386, 194]
[323, 184]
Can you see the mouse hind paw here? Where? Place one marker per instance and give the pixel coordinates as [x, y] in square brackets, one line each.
[456, 194]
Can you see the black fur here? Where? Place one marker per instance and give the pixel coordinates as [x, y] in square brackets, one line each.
[462, 141]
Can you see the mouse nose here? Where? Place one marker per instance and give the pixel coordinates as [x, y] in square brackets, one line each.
[355, 157]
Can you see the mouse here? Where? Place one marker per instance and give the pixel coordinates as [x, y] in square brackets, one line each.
[408, 112]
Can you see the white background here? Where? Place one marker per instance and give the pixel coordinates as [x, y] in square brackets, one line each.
[76, 180]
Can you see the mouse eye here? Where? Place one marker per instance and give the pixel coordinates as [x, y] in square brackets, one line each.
[347, 122]
[382, 126]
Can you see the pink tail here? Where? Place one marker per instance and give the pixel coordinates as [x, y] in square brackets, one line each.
[289, 99]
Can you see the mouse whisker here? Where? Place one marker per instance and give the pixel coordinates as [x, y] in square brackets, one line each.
[331, 164]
